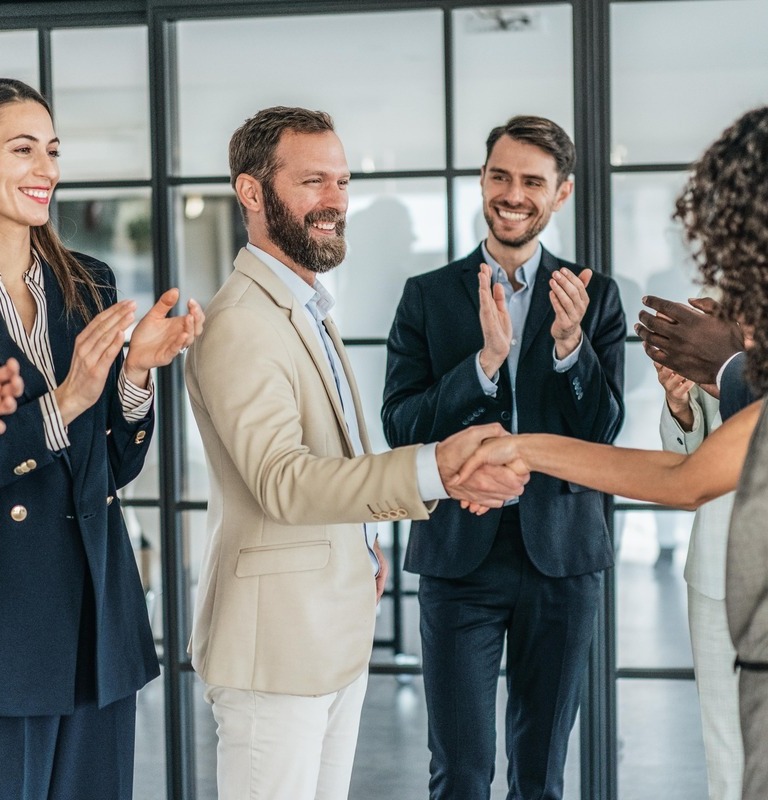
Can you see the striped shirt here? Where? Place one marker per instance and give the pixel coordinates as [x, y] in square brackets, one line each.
[36, 346]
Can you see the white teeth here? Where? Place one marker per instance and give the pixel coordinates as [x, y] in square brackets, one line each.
[513, 216]
[325, 226]
[40, 193]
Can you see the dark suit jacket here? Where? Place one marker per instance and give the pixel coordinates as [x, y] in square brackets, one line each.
[73, 523]
[432, 391]
[735, 392]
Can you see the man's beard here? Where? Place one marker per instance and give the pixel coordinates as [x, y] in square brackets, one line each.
[520, 241]
[294, 237]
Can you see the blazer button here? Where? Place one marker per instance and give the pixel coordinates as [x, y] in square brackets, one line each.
[505, 415]
[18, 470]
[140, 436]
[18, 513]
[31, 463]
[110, 498]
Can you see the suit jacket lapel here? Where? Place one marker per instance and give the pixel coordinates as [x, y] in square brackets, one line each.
[333, 332]
[61, 329]
[261, 274]
[540, 310]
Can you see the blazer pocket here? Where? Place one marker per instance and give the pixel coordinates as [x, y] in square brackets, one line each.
[296, 557]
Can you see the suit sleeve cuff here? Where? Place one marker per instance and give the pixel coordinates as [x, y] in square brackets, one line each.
[488, 385]
[428, 475]
[135, 401]
[55, 430]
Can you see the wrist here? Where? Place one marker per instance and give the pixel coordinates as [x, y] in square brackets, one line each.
[565, 346]
[135, 374]
[490, 364]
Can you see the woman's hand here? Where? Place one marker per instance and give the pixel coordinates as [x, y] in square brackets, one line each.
[96, 348]
[11, 387]
[158, 338]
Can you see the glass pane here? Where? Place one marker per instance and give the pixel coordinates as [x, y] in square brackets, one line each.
[650, 255]
[672, 92]
[651, 594]
[102, 112]
[395, 229]
[210, 233]
[494, 50]
[149, 780]
[18, 56]
[559, 237]
[643, 399]
[341, 63]
[661, 753]
[114, 226]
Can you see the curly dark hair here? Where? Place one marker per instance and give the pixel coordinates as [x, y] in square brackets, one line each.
[724, 210]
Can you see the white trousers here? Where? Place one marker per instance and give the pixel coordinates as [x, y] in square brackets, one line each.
[718, 687]
[286, 747]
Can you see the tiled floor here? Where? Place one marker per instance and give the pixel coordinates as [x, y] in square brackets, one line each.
[660, 749]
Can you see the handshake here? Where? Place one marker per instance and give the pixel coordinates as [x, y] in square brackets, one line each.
[471, 478]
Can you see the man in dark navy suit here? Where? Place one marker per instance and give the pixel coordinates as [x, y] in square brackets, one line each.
[509, 334]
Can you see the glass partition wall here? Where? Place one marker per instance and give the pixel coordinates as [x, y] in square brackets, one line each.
[146, 94]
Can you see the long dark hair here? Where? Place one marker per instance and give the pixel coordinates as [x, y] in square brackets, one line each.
[724, 210]
[77, 284]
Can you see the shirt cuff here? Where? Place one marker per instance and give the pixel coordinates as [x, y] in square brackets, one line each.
[134, 400]
[55, 430]
[563, 365]
[489, 385]
[719, 376]
[428, 475]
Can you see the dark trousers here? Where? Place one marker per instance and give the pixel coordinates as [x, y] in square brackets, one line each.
[547, 624]
[85, 755]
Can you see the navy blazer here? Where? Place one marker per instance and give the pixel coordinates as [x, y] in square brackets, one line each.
[60, 516]
[432, 391]
[735, 392]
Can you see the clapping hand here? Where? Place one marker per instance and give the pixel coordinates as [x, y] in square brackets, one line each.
[11, 387]
[158, 338]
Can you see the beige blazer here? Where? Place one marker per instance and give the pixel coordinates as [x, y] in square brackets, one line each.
[286, 597]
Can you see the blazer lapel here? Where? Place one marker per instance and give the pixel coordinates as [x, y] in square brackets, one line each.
[260, 273]
[61, 330]
[540, 310]
[333, 332]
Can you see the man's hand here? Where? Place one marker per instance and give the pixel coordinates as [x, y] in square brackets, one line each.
[689, 340]
[381, 578]
[495, 322]
[11, 387]
[484, 488]
[677, 392]
[569, 298]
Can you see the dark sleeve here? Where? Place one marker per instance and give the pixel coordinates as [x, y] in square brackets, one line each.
[423, 403]
[735, 392]
[127, 442]
[591, 391]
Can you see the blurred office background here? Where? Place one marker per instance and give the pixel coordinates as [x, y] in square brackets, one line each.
[146, 94]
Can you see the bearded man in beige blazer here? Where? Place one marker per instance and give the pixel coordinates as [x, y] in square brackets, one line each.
[292, 572]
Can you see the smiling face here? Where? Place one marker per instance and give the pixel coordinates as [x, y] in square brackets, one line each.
[28, 165]
[299, 213]
[521, 190]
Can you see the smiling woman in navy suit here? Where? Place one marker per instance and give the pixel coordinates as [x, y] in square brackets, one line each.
[75, 642]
